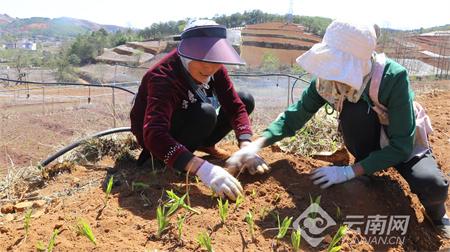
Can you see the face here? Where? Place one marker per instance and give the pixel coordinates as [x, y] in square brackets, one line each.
[202, 71]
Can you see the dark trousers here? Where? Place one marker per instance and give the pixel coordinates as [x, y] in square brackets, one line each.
[361, 131]
[200, 126]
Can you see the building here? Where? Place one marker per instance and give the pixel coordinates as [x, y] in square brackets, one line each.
[25, 44]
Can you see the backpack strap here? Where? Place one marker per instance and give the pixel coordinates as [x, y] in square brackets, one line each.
[423, 123]
[374, 89]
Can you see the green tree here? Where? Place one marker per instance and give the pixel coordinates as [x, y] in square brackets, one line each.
[270, 62]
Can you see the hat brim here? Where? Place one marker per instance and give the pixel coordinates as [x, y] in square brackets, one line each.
[209, 49]
[332, 64]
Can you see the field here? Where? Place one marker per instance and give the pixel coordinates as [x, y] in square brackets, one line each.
[33, 129]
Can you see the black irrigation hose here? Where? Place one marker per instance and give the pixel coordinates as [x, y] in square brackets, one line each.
[300, 77]
[70, 84]
[269, 74]
[79, 142]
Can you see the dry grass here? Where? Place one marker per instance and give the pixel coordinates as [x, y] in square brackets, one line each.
[18, 180]
[319, 136]
[21, 180]
[117, 146]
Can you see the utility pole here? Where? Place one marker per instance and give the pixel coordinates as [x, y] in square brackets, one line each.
[114, 96]
[291, 12]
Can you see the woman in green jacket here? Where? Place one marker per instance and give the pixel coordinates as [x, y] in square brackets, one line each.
[379, 130]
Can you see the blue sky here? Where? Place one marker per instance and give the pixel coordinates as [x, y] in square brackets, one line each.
[398, 14]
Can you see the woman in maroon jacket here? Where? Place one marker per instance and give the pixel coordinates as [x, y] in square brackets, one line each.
[187, 102]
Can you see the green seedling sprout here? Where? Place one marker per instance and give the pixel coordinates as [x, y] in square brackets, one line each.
[338, 213]
[295, 240]
[180, 223]
[276, 198]
[314, 209]
[263, 212]
[337, 237]
[51, 243]
[108, 189]
[139, 186]
[40, 246]
[223, 210]
[239, 201]
[163, 222]
[175, 202]
[283, 227]
[205, 241]
[253, 193]
[251, 224]
[26, 221]
[85, 229]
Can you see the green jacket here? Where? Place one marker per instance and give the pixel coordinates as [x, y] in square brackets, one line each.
[395, 93]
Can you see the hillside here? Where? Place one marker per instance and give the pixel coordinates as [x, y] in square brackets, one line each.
[50, 27]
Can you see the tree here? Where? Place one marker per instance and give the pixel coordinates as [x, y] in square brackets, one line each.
[270, 62]
[21, 60]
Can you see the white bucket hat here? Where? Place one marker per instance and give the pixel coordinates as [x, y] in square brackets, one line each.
[344, 54]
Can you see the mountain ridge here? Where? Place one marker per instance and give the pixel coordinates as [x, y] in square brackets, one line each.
[50, 27]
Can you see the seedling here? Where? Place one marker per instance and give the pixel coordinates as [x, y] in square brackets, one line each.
[26, 221]
[180, 223]
[253, 193]
[40, 246]
[175, 202]
[205, 241]
[263, 212]
[295, 240]
[337, 237]
[276, 198]
[108, 189]
[251, 224]
[163, 222]
[51, 243]
[239, 201]
[139, 186]
[223, 210]
[338, 213]
[283, 227]
[315, 203]
[85, 229]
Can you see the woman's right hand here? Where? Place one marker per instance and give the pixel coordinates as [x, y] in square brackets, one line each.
[220, 181]
[247, 159]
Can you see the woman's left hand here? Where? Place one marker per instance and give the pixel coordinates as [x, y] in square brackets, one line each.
[330, 175]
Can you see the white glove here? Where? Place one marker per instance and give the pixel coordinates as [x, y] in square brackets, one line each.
[246, 158]
[255, 165]
[219, 180]
[330, 175]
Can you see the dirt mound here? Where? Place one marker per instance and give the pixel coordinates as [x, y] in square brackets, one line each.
[129, 222]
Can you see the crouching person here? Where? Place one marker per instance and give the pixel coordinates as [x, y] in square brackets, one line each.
[187, 102]
[381, 125]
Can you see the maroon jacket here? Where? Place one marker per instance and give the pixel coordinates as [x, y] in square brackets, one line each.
[163, 90]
